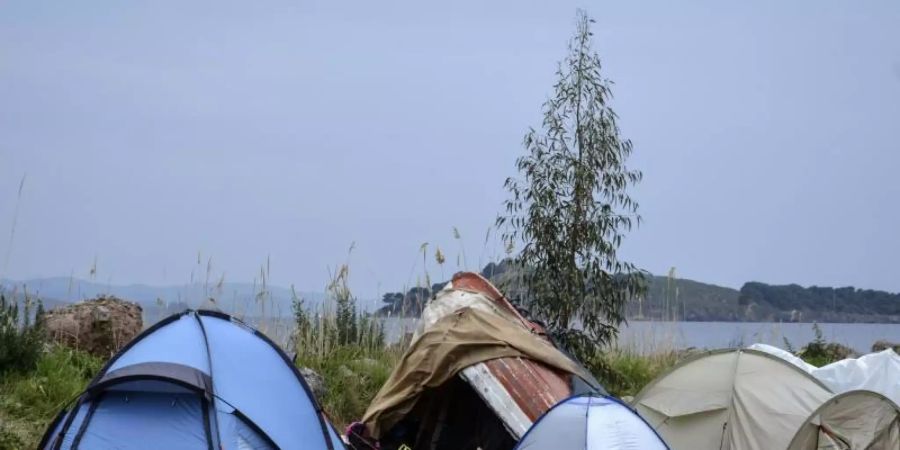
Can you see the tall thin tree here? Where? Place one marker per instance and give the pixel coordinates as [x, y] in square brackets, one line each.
[570, 206]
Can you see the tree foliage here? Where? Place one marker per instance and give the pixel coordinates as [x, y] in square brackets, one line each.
[819, 303]
[571, 208]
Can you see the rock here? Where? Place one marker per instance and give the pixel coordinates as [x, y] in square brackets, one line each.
[883, 344]
[346, 372]
[367, 363]
[101, 326]
[315, 382]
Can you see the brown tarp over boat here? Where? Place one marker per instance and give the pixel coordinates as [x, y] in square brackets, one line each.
[474, 347]
[467, 337]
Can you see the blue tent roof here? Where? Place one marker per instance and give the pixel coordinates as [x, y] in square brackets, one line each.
[196, 380]
[591, 422]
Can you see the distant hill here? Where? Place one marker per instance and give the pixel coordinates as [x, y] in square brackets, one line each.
[815, 303]
[158, 301]
[759, 302]
[688, 300]
[684, 299]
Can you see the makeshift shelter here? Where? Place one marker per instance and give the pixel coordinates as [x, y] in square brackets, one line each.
[854, 420]
[196, 380]
[730, 400]
[477, 374]
[590, 422]
[877, 372]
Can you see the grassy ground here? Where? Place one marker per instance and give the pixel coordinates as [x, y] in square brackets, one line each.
[630, 372]
[30, 400]
[353, 375]
[347, 349]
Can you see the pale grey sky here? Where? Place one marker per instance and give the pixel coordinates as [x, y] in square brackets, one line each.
[149, 131]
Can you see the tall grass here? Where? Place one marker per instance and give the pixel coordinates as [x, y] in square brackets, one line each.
[346, 347]
[624, 372]
[21, 335]
[625, 366]
[36, 379]
[30, 400]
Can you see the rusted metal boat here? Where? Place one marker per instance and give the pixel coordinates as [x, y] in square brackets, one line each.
[502, 374]
[518, 390]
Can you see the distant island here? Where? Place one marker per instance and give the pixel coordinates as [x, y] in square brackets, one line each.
[670, 298]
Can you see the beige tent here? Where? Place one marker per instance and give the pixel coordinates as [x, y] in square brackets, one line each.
[854, 420]
[731, 400]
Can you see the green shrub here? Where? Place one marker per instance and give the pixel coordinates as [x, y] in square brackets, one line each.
[819, 352]
[353, 375]
[624, 373]
[30, 400]
[59, 376]
[21, 338]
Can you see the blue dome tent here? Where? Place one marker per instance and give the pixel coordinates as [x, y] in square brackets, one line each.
[195, 380]
[591, 422]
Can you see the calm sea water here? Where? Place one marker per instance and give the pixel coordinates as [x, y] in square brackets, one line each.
[649, 337]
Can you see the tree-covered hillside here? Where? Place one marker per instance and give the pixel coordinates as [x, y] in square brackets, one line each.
[825, 304]
[672, 298]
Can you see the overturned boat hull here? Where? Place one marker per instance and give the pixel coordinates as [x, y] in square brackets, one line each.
[476, 375]
[517, 390]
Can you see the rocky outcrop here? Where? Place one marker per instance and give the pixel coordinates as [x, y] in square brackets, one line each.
[100, 326]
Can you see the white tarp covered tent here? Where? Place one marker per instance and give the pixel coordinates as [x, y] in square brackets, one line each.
[731, 400]
[854, 420]
[878, 372]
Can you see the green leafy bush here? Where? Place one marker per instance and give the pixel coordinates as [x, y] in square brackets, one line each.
[819, 352]
[624, 373]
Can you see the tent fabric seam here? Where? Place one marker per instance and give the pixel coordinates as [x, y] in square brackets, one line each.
[56, 420]
[208, 418]
[84, 423]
